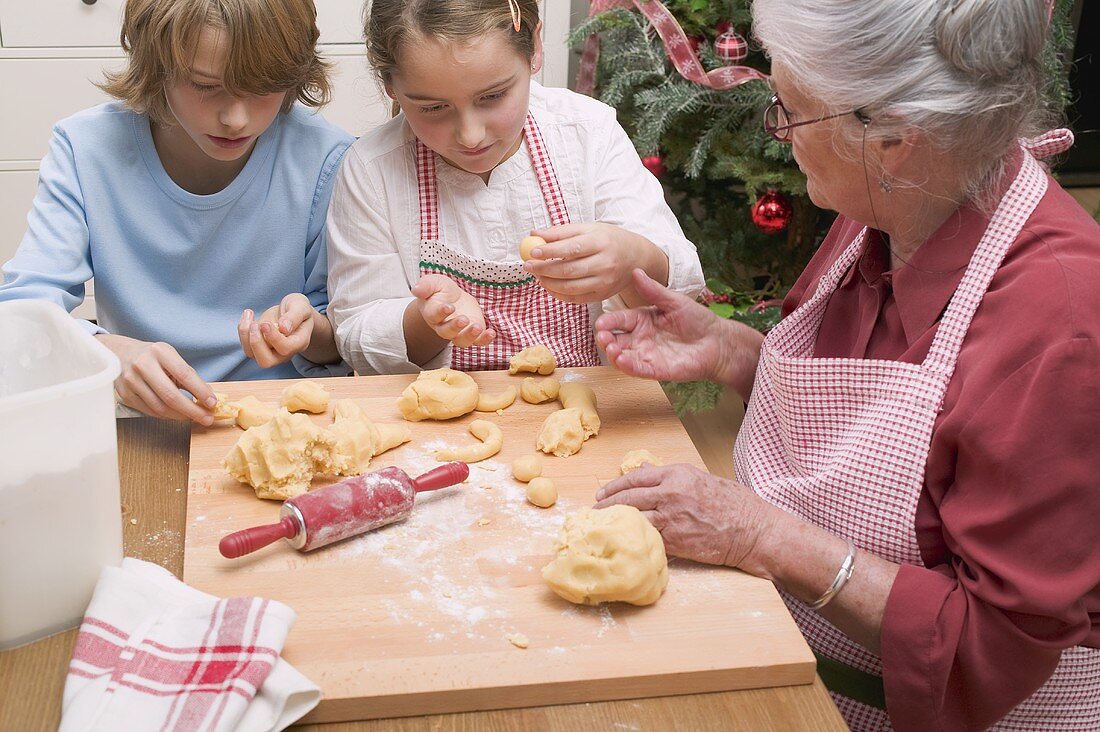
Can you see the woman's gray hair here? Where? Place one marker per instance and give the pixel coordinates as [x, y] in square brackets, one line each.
[969, 73]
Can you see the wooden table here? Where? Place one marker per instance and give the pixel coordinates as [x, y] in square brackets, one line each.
[153, 467]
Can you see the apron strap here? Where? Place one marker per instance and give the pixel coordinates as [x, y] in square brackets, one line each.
[544, 171]
[1015, 208]
[428, 192]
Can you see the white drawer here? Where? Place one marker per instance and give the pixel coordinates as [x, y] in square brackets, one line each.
[45, 90]
[49, 23]
[17, 189]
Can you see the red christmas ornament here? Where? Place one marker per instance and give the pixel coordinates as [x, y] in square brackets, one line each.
[772, 212]
[655, 164]
[731, 47]
[696, 42]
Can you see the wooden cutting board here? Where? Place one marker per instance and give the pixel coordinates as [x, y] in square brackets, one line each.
[414, 618]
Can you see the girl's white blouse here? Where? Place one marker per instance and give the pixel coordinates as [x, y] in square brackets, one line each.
[373, 220]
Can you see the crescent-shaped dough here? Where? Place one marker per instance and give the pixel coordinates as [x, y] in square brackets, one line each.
[492, 439]
[493, 402]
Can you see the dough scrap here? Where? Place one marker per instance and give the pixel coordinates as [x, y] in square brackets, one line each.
[537, 392]
[496, 402]
[536, 359]
[575, 394]
[224, 410]
[305, 396]
[562, 433]
[542, 492]
[608, 555]
[519, 640]
[526, 467]
[358, 439]
[251, 412]
[438, 394]
[528, 243]
[492, 439]
[280, 457]
[636, 459]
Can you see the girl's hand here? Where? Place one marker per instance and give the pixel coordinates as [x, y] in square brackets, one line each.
[590, 262]
[454, 314]
[281, 332]
[674, 338]
[700, 516]
[152, 376]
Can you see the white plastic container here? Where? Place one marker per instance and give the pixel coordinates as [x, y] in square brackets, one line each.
[60, 517]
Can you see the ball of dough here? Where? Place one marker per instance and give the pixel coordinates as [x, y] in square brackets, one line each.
[527, 467]
[542, 493]
[537, 392]
[305, 396]
[280, 457]
[562, 433]
[251, 412]
[529, 243]
[535, 359]
[608, 555]
[438, 394]
[636, 459]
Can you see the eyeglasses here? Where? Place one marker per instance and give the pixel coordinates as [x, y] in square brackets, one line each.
[777, 120]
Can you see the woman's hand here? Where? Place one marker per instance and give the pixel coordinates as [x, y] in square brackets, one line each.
[700, 516]
[281, 332]
[673, 338]
[454, 314]
[585, 263]
[152, 376]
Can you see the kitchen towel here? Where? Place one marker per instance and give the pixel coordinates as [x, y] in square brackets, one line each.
[156, 654]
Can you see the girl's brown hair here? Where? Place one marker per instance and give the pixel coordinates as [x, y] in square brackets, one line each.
[271, 46]
[393, 25]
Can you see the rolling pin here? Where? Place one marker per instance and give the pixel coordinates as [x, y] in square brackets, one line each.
[343, 509]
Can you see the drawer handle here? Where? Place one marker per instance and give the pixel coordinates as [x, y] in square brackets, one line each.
[88, 2]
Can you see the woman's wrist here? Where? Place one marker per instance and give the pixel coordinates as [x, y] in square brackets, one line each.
[738, 356]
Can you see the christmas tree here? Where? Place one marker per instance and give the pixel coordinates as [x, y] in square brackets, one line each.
[738, 193]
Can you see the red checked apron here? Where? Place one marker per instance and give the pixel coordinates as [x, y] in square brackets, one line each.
[842, 443]
[515, 305]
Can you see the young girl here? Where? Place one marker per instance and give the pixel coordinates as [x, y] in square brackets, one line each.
[199, 196]
[429, 210]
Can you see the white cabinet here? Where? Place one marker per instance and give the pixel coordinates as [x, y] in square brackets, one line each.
[52, 52]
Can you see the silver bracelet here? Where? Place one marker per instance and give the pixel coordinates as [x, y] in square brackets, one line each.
[842, 576]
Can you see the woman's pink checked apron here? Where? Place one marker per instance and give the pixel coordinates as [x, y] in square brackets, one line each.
[842, 443]
[515, 305]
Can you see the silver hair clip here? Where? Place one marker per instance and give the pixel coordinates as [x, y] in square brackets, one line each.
[516, 16]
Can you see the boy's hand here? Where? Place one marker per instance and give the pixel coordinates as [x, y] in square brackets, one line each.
[281, 332]
[152, 376]
[590, 262]
[451, 312]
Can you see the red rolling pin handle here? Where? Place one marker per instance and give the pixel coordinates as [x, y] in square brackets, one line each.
[247, 541]
[441, 477]
[344, 509]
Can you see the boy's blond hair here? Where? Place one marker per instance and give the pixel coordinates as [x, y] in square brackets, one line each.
[271, 46]
[393, 25]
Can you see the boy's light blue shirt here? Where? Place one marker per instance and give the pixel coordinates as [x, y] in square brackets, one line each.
[170, 265]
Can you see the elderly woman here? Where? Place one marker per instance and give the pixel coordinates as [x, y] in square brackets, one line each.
[917, 470]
